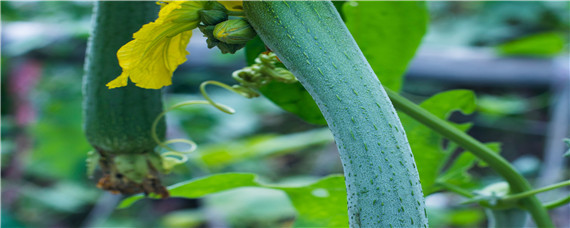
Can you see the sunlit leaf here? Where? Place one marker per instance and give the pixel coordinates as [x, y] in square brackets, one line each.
[456, 217]
[388, 33]
[542, 44]
[425, 143]
[322, 203]
[252, 207]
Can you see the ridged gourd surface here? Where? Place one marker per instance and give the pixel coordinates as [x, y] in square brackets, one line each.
[312, 41]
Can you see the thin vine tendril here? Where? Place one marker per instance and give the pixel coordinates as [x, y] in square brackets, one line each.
[249, 78]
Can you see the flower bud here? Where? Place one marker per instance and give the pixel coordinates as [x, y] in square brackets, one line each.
[214, 5]
[235, 31]
[212, 17]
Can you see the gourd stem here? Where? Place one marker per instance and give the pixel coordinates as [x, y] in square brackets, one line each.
[557, 203]
[536, 191]
[516, 182]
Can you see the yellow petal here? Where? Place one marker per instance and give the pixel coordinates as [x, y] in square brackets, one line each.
[161, 62]
[119, 81]
[236, 5]
[158, 47]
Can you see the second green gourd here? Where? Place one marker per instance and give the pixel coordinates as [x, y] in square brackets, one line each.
[382, 181]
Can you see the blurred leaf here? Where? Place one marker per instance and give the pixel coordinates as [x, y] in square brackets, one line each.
[184, 219]
[495, 147]
[388, 33]
[8, 220]
[291, 97]
[456, 217]
[252, 207]
[262, 145]
[542, 44]
[253, 48]
[322, 203]
[425, 143]
[64, 196]
[466, 217]
[512, 217]
[457, 174]
[61, 148]
[502, 104]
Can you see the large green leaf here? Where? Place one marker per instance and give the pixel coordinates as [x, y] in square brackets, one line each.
[388, 33]
[425, 143]
[320, 204]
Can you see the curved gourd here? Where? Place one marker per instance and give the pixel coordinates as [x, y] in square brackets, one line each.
[381, 177]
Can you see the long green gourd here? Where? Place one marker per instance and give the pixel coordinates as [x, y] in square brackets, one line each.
[381, 178]
[117, 123]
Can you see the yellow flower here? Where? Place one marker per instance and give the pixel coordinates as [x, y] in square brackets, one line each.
[159, 47]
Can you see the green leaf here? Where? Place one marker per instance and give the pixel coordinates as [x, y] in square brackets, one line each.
[252, 49]
[60, 147]
[251, 207]
[295, 99]
[322, 203]
[457, 174]
[223, 154]
[455, 217]
[426, 144]
[388, 33]
[290, 97]
[542, 44]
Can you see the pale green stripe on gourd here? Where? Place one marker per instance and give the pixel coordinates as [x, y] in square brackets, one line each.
[381, 178]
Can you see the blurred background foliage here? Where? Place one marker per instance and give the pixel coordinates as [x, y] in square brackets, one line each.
[44, 182]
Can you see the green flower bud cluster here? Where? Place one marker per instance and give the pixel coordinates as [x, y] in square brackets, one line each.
[228, 35]
[263, 71]
[237, 31]
[213, 13]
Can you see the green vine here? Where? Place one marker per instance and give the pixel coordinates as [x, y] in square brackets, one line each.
[557, 203]
[516, 182]
[249, 78]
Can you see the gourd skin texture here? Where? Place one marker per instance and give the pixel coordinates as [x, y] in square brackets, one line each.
[118, 121]
[381, 177]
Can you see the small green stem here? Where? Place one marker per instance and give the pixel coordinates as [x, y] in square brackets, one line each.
[456, 189]
[222, 108]
[516, 182]
[157, 119]
[557, 203]
[536, 191]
